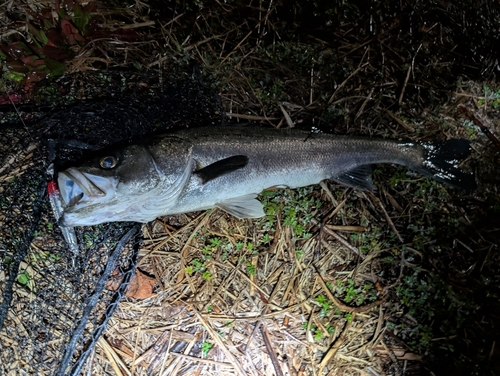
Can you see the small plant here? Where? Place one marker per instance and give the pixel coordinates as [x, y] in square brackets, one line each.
[196, 266]
[299, 253]
[491, 98]
[297, 208]
[318, 335]
[472, 129]
[350, 293]
[251, 269]
[205, 348]
[24, 278]
[329, 328]
[265, 238]
[325, 305]
[399, 177]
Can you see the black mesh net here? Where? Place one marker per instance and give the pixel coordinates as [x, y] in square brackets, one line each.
[55, 303]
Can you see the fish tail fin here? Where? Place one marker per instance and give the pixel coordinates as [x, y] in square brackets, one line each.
[441, 163]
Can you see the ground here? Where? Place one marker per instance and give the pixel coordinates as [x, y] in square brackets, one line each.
[398, 281]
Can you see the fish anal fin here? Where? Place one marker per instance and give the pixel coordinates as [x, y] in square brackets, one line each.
[222, 167]
[359, 177]
[243, 207]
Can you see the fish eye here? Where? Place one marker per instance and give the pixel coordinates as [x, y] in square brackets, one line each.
[108, 162]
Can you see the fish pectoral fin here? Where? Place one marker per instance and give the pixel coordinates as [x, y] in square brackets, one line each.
[222, 167]
[243, 207]
[359, 178]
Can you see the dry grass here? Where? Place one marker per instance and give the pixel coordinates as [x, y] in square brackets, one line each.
[257, 307]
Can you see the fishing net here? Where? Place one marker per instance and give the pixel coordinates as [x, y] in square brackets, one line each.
[55, 303]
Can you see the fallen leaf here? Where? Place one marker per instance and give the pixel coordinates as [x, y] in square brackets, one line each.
[141, 286]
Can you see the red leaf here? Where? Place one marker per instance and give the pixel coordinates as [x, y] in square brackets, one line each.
[67, 28]
[47, 13]
[58, 54]
[70, 32]
[10, 98]
[18, 50]
[55, 37]
[90, 7]
[16, 66]
[32, 61]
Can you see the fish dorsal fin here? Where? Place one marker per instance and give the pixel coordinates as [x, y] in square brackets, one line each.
[359, 178]
[243, 207]
[222, 167]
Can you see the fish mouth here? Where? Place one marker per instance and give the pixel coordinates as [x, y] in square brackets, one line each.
[79, 187]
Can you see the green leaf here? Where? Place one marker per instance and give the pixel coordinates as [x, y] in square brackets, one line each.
[38, 34]
[251, 270]
[56, 68]
[14, 76]
[81, 18]
[206, 347]
[318, 335]
[23, 278]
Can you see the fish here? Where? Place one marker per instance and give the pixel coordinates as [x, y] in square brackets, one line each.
[228, 167]
[68, 233]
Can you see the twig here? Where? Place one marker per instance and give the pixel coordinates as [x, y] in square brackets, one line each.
[347, 228]
[386, 215]
[159, 347]
[115, 361]
[137, 25]
[255, 317]
[345, 82]
[404, 86]
[408, 127]
[361, 109]
[393, 357]
[338, 238]
[216, 337]
[343, 307]
[476, 120]
[334, 348]
[288, 119]
[237, 46]
[270, 350]
[250, 117]
[410, 69]
[207, 361]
